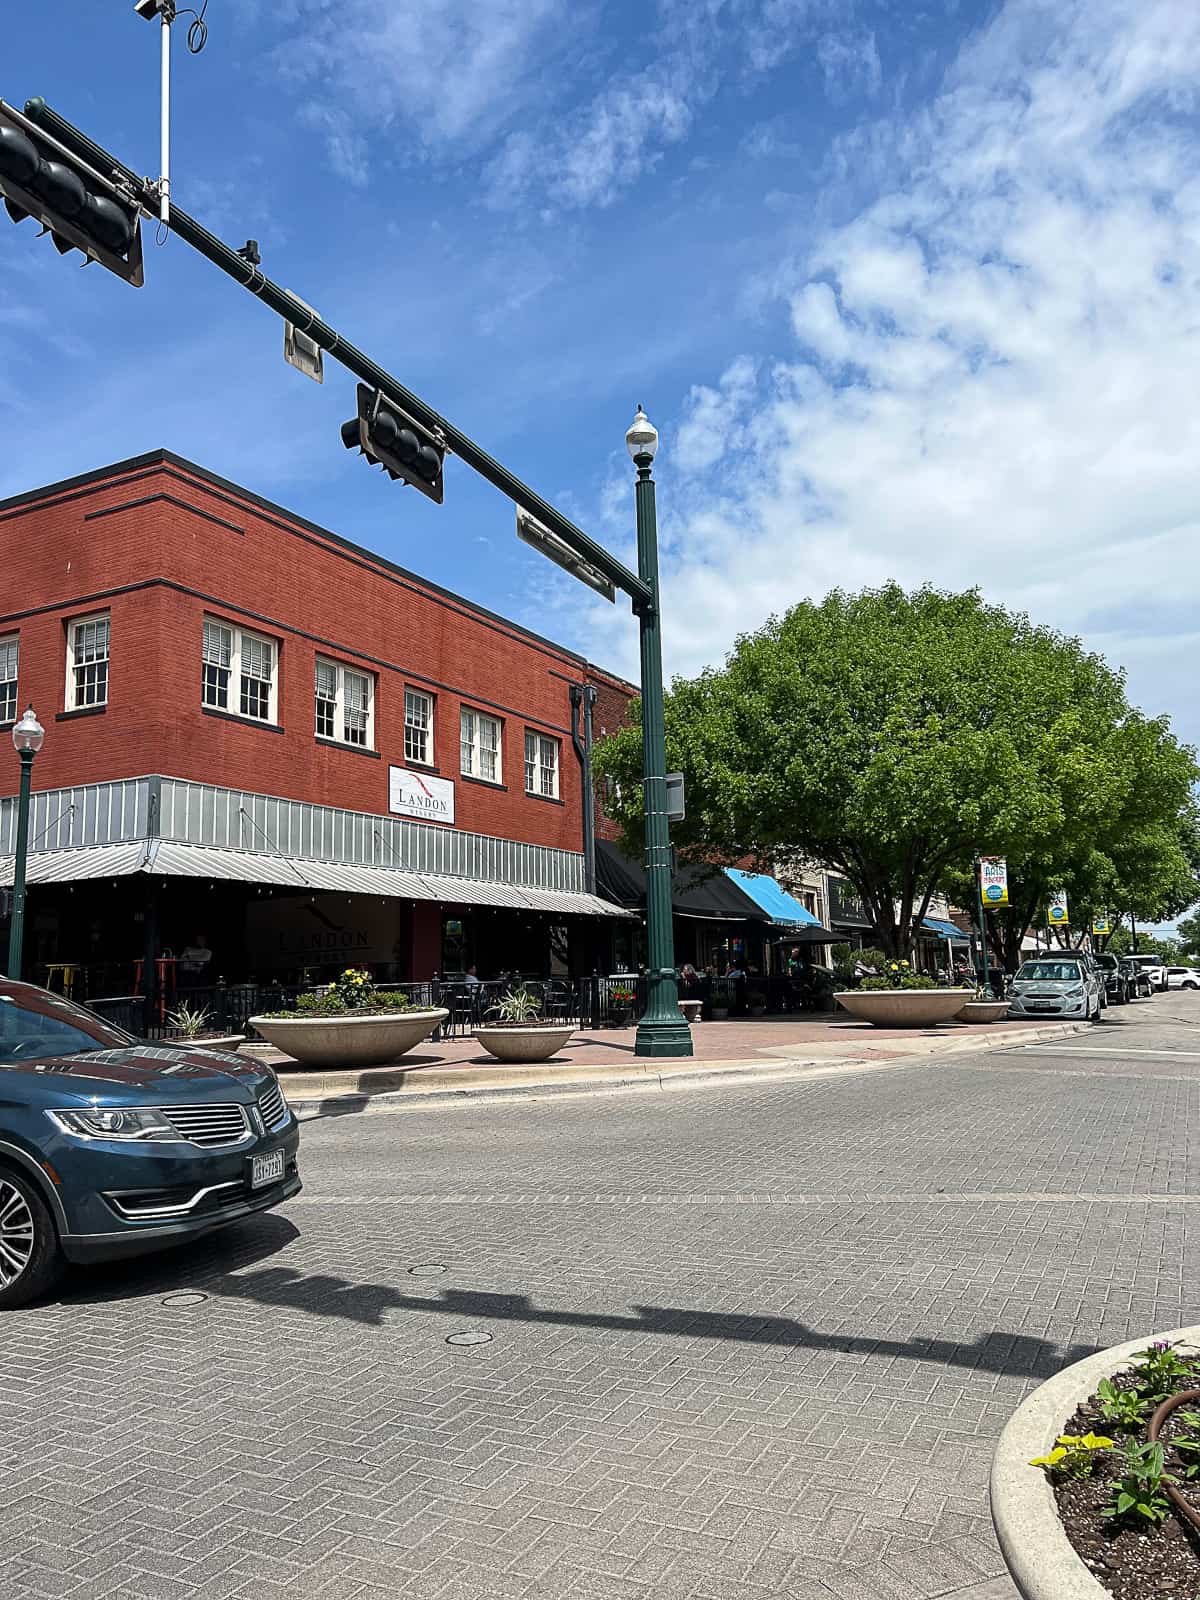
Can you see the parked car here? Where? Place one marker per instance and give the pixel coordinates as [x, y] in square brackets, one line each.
[1116, 983]
[1060, 983]
[111, 1145]
[1137, 977]
[1156, 967]
[1183, 978]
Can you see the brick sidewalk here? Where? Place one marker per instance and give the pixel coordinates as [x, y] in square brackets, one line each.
[739, 1040]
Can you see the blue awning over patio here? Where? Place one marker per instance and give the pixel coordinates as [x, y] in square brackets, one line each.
[783, 909]
[946, 930]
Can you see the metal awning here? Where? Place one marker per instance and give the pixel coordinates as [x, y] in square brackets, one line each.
[946, 930]
[783, 909]
[170, 859]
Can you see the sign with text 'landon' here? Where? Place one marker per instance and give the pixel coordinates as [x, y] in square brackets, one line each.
[415, 794]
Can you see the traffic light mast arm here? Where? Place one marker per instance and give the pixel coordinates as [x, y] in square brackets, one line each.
[296, 312]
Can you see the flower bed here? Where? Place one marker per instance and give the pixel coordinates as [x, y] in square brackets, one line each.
[352, 1024]
[1110, 1504]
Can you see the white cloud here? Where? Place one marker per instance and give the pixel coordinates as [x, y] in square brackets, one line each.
[511, 83]
[993, 374]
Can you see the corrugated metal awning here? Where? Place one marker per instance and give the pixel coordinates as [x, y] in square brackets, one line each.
[170, 859]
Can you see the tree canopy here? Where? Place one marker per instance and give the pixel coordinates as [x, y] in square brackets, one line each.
[894, 736]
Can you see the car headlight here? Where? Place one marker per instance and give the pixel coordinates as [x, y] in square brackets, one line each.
[114, 1124]
[1075, 993]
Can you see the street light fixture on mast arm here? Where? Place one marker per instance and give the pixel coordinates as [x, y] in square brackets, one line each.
[27, 737]
[661, 1030]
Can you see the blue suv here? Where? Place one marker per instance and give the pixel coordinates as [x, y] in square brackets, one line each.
[111, 1145]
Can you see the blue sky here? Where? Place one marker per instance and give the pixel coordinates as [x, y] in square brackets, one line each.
[910, 290]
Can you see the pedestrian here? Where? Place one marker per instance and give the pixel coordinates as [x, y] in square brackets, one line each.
[472, 978]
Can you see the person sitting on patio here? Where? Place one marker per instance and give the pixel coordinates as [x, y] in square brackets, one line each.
[472, 978]
[195, 960]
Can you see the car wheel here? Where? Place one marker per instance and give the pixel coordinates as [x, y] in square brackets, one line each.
[30, 1257]
[1190, 985]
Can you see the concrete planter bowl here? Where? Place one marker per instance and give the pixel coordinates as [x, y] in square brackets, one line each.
[902, 1008]
[983, 1011]
[536, 1042]
[349, 1041]
[223, 1041]
[1040, 1558]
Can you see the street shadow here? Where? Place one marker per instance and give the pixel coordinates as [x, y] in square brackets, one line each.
[197, 1263]
[326, 1295]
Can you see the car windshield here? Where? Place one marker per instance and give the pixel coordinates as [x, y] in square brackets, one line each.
[1049, 972]
[35, 1025]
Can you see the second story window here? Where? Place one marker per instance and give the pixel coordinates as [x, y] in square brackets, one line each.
[541, 766]
[418, 727]
[87, 663]
[237, 672]
[479, 745]
[343, 704]
[9, 652]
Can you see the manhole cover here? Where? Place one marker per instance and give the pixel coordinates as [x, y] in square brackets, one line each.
[469, 1338]
[428, 1269]
[185, 1297]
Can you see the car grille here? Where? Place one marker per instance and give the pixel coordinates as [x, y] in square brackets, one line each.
[210, 1126]
[271, 1104]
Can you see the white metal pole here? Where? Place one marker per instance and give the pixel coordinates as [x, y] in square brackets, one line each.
[164, 201]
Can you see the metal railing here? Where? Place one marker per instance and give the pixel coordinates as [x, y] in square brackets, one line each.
[590, 1002]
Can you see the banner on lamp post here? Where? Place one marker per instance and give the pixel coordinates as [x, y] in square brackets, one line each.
[1101, 926]
[1057, 915]
[993, 880]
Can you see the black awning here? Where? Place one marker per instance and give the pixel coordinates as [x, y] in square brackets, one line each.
[699, 891]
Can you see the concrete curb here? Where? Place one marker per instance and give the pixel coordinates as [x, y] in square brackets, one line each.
[315, 1095]
[1035, 1547]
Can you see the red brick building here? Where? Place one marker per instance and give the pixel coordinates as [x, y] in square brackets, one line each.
[299, 713]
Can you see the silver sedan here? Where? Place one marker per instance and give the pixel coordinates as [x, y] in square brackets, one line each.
[1054, 987]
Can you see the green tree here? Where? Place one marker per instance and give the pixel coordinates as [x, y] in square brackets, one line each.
[891, 736]
[1189, 935]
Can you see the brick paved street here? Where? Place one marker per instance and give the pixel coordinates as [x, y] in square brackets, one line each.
[744, 1341]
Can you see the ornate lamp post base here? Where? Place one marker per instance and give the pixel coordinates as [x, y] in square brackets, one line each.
[663, 1038]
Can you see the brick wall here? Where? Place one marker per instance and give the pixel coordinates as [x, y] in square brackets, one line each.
[160, 544]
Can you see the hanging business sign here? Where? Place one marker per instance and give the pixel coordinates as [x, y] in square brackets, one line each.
[1056, 911]
[1101, 926]
[993, 880]
[416, 794]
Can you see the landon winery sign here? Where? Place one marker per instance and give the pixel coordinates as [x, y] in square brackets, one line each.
[415, 794]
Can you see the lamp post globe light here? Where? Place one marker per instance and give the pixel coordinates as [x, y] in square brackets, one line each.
[27, 736]
[661, 1030]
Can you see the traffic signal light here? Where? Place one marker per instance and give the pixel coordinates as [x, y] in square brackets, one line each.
[77, 207]
[392, 440]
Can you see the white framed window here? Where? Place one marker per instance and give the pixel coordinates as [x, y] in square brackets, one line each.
[345, 703]
[479, 745]
[88, 640]
[10, 649]
[237, 672]
[541, 766]
[418, 727]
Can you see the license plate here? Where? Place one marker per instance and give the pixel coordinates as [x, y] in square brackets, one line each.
[1041, 1005]
[267, 1169]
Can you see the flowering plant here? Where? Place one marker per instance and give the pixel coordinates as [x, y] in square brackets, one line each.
[622, 997]
[898, 975]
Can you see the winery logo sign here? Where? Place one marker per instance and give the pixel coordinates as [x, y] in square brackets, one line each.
[415, 794]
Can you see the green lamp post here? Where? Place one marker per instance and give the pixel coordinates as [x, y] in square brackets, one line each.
[27, 736]
[661, 1030]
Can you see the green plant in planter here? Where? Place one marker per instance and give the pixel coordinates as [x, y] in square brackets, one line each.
[1074, 1455]
[190, 1022]
[1160, 1370]
[1123, 1407]
[1187, 1445]
[1139, 1495]
[898, 975]
[518, 1005]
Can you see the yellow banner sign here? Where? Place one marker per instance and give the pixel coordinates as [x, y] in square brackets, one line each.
[993, 880]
